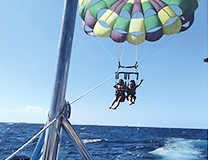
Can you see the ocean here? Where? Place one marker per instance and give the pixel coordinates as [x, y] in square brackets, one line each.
[113, 142]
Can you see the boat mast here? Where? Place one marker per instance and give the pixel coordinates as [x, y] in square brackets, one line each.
[53, 133]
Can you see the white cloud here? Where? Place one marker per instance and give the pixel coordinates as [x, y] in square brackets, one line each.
[29, 114]
[32, 109]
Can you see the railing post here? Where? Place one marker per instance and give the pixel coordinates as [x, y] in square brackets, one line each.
[53, 133]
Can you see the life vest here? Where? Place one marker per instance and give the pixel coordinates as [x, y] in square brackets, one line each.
[131, 90]
[120, 89]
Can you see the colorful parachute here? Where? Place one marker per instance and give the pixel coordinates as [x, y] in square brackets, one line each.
[136, 29]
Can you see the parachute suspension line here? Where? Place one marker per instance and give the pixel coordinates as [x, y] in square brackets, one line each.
[137, 53]
[120, 46]
[163, 40]
[105, 49]
[136, 62]
[118, 52]
[166, 40]
[120, 56]
[94, 88]
[156, 46]
[137, 78]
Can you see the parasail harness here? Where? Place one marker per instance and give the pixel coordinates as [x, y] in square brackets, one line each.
[127, 75]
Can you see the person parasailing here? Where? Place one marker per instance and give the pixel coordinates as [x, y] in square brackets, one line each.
[131, 91]
[156, 18]
[120, 93]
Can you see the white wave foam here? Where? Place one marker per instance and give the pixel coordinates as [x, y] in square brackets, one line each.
[82, 128]
[10, 123]
[92, 140]
[179, 149]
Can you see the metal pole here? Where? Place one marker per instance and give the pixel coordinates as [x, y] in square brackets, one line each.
[53, 133]
[75, 139]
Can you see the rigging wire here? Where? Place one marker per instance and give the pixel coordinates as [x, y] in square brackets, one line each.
[41, 131]
[95, 87]
[51, 122]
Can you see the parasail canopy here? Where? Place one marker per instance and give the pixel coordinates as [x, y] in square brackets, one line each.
[136, 20]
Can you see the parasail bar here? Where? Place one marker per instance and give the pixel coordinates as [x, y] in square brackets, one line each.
[126, 75]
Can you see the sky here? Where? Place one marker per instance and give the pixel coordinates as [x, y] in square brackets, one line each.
[173, 93]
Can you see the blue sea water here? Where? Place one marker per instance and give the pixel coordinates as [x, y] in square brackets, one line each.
[113, 142]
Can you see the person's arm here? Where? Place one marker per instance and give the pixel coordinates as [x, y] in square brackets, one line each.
[140, 83]
[115, 85]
